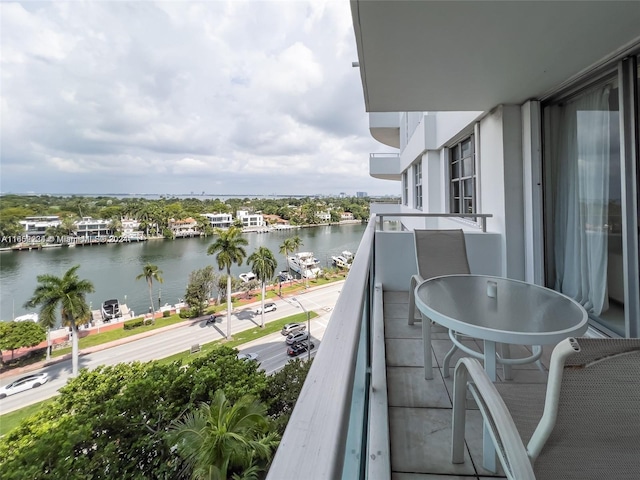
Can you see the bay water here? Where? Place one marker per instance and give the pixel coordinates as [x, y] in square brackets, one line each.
[113, 268]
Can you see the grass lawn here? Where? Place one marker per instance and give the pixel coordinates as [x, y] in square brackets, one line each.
[10, 420]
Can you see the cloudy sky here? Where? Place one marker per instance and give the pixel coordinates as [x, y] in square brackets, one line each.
[222, 97]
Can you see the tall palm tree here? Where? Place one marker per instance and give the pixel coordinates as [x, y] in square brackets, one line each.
[150, 273]
[286, 247]
[296, 242]
[68, 294]
[228, 249]
[264, 265]
[221, 441]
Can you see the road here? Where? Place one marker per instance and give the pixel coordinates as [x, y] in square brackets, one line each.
[271, 349]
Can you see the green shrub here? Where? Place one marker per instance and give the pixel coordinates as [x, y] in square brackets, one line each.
[166, 314]
[135, 323]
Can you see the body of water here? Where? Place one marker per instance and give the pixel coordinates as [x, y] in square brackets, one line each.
[113, 268]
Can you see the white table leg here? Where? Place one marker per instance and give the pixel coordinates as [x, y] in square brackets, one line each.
[426, 346]
[488, 449]
[506, 353]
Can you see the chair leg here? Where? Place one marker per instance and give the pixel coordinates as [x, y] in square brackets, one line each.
[447, 360]
[459, 415]
[412, 300]
[426, 348]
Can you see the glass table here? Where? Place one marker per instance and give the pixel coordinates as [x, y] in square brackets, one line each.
[498, 311]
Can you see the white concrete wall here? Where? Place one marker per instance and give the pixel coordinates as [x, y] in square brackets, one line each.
[500, 172]
[395, 260]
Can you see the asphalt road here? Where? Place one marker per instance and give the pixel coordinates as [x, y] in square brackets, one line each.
[271, 349]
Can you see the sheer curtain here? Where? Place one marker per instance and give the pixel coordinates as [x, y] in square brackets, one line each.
[581, 133]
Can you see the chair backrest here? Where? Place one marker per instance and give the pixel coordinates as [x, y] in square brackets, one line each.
[597, 428]
[440, 252]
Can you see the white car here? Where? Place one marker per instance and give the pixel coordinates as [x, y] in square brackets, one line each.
[296, 337]
[249, 357]
[292, 327]
[24, 383]
[268, 307]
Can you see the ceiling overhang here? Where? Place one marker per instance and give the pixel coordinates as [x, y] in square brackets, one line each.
[457, 55]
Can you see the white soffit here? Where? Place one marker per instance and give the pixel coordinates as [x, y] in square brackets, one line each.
[460, 55]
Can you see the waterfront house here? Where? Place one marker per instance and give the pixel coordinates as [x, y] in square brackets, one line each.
[130, 229]
[37, 226]
[219, 220]
[323, 217]
[185, 227]
[250, 219]
[525, 111]
[93, 228]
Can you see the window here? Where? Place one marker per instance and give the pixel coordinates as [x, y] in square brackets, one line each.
[417, 181]
[463, 177]
[405, 188]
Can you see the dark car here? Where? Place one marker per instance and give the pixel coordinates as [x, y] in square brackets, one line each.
[298, 348]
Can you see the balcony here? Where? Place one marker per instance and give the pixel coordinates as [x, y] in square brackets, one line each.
[385, 166]
[385, 128]
[366, 410]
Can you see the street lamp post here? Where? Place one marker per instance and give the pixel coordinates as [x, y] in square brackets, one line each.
[308, 327]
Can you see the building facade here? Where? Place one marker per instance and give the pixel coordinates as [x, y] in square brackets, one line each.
[219, 220]
[551, 154]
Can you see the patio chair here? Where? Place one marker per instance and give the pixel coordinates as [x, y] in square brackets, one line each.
[438, 252]
[585, 426]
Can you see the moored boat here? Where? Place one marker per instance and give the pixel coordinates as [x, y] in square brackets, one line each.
[305, 264]
[110, 310]
[343, 260]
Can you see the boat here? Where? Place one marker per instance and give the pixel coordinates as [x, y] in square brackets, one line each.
[343, 260]
[285, 276]
[110, 310]
[305, 264]
[29, 317]
[247, 277]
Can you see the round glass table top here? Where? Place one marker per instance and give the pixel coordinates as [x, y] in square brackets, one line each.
[500, 309]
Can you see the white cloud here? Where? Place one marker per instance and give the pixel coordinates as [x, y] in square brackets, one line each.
[104, 94]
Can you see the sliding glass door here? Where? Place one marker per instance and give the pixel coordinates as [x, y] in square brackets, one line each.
[587, 210]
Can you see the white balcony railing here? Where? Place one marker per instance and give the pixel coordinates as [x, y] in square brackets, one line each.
[339, 427]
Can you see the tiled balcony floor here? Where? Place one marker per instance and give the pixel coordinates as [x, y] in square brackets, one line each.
[420, 410]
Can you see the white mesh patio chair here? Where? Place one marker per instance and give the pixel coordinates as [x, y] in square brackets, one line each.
[438, 252]
[586, 425]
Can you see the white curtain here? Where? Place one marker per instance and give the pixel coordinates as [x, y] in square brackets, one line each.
[581, 133]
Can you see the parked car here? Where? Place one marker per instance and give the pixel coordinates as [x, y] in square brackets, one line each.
[298, 348]
[268, 307]
[292, 327]
[248, 356]
[24, 383]
[296, 337]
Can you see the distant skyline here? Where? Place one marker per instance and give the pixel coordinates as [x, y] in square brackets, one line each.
[229, 98]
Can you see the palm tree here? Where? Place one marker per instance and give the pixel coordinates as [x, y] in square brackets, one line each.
[264, 265]
[286, 247]
[228, 250]
[221, 441]
[68, 294]
[296, 242]
[150, 273]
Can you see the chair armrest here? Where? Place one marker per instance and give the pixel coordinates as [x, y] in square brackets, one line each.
[502, 429]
